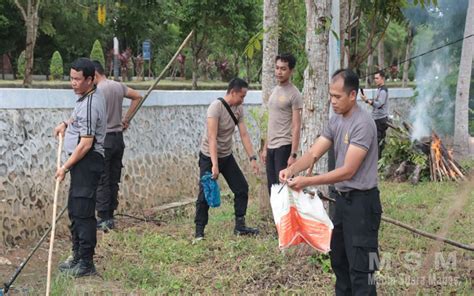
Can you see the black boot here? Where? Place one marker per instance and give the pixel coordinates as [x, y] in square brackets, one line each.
[199, 234]
[242, 229]
[70, 262]
[83, 268]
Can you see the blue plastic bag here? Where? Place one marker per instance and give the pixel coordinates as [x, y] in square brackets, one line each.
[212, 192]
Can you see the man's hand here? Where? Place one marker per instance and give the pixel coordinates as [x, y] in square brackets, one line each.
[59, 129]
[125, 123]
[60, 174]
[215, 172]
[255, 169]
[291, 160]
[363, 97]
[284, 175]
[263, 156]
[297, 183]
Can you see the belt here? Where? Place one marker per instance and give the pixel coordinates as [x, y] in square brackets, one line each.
[114, 133]
[354, 192]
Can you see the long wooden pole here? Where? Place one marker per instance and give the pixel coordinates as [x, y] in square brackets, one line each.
[407, 227]
[53, 223]
[163, 72]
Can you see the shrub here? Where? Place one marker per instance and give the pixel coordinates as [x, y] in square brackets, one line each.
[56, 67]
[97, 53]
[21, 65]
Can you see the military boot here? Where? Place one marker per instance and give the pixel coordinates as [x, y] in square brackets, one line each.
[242, 229]
[83, 268]
[69, 263]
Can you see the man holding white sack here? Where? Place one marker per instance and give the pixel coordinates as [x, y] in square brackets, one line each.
[354, 242]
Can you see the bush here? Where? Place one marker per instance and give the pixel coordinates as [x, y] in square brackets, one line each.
[21, 65]
[97, 53]
[56, 67]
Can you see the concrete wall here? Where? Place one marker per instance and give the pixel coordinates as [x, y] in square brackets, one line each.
[160, 161]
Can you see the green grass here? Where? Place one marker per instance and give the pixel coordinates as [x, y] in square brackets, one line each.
[147, 260]
[140, 85]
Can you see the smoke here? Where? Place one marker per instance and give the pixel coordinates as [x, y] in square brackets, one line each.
[435, 73]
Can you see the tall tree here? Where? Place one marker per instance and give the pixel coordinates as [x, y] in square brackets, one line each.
[381, 54]
[406, 65]
[270, 46]
[29, 12]
[461, 113]
[316, 76]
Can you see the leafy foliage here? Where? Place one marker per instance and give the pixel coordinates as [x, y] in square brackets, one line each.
[56, 70]
[21, 65]
[97, 53]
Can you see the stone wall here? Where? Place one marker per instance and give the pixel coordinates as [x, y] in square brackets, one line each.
[160, 161]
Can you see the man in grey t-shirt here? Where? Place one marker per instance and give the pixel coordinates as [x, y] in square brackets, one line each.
[354, 241]
[380, 108]
[216, 157]
[107, 192]
[84, 139]
[284, 121]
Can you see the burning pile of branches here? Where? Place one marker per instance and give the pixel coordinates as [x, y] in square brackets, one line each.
[442, 164]
[426, 158]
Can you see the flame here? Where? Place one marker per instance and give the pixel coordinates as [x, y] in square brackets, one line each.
[436, 146]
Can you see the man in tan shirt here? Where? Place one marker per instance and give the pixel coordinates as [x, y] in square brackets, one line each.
[284, 121]
[216, 155]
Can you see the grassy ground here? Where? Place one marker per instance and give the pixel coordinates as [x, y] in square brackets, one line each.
[140, 85]
[146, 259]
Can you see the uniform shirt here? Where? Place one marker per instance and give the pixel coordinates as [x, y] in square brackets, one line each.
[225, 128]
[380, 103]
[360, 130]
[283, 100]
[113, 92]
[88, 120]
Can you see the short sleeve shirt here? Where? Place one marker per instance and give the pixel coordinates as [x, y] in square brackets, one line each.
[359, 129]
[88, 120]
[283, 100]
[225, 128]
[113, 92]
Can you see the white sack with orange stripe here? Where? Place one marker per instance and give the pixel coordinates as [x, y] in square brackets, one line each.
[300, 218]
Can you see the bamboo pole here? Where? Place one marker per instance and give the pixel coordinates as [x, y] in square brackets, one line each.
[53, 223]
[407, 227]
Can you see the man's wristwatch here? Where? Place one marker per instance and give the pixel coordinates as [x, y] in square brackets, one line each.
[294, 155]
[253, 157]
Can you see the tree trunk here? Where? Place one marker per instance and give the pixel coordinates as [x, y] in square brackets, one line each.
[368, 79]
[461, 113]
[381, 54]
[31, 18]
[316, 76]
[270, 47]
[344, 34]
[406, 66]
[270, 51]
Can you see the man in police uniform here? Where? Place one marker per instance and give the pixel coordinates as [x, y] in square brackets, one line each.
[354, 242]
[107, 192]
[284, 121]
[83, 142]
[380, 108]
[216, 155]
